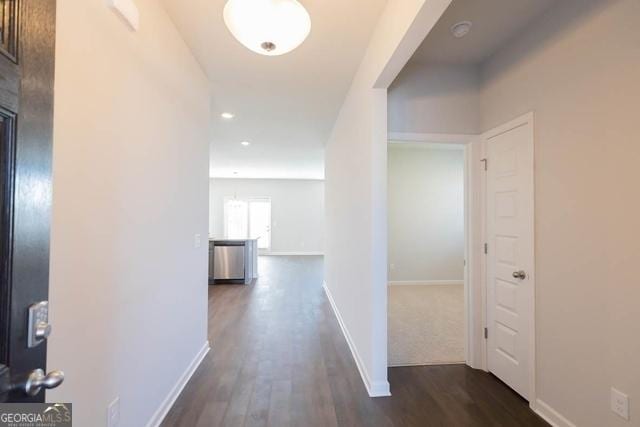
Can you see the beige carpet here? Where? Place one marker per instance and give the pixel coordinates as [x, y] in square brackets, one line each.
[426, 324]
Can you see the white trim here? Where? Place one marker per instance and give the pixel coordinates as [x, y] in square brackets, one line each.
[523, 120]
[470, 282]
[550, 415]
[168, 401]
[425, 282]
[482, 259]
[519, 121]
[376, 388]
[269, 253]
[435, 138]
[474, 223]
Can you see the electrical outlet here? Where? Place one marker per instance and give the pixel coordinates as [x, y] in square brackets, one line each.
[620, 403]
[197, 241]
[113, 413]
[392, 266]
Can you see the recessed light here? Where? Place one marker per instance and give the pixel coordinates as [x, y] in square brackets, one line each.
[461, 29]
[245, 143]
[227, 116]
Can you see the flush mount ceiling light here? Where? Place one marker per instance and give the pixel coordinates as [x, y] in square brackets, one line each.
[245, 143]
[227, 116]
[268, 27]
[461, 29]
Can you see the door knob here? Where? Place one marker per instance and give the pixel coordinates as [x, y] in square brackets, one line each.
[519, 275]
[38, 380]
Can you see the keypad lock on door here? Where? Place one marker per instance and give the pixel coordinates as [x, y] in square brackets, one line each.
[39, 328]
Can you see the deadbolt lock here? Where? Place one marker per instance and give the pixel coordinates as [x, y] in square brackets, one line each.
[39, 327]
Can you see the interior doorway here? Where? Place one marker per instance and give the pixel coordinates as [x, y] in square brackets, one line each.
[427, 292]
[499, 279]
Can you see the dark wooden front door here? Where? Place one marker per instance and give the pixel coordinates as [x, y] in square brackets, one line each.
[27, 40]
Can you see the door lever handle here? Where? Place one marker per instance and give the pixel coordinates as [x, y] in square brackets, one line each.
[519, 275]
[38, 380]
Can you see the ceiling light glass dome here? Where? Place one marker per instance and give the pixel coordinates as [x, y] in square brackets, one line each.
[268, 27]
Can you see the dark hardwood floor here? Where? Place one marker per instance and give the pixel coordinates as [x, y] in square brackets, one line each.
[279, 359]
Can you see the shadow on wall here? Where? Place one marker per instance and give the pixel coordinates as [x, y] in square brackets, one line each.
[561, 19]
[435, 98]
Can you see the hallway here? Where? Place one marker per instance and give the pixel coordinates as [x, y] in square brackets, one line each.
[279, 358]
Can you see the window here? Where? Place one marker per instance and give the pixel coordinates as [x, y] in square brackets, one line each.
[248, 218]
[236, 214]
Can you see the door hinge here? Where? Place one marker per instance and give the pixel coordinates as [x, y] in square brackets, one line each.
[486, 248]
[485, 161]
[486, 333]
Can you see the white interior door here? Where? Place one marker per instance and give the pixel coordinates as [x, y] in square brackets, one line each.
[510, 255]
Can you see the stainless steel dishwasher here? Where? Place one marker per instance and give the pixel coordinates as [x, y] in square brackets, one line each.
[229, 261]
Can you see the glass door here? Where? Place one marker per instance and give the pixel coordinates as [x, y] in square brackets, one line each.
[236, 219]
[248, 219]
[260, 222]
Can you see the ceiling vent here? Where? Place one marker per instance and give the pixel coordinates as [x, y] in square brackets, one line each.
[461, 29]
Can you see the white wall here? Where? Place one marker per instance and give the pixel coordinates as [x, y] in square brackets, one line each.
[431, 98]
[297, 210]
[128, 289]
[577, 68]
[426, 213]
[355, 196]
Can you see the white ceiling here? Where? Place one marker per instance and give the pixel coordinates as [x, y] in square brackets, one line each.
[284, 105]
[494, 22]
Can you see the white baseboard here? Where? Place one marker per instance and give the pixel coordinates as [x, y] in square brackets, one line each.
[379, 389]
[290, 253]
[168, 401]
[374, 388]
[551, 416]
[426, 282]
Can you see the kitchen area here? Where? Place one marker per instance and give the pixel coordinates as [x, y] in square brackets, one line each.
[233, 261]
[252, 222]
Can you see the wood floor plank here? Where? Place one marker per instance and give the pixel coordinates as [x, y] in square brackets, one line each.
[279, 359]
[280, 406]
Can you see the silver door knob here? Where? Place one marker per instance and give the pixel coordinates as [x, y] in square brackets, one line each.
[519, 275]
[38, 380]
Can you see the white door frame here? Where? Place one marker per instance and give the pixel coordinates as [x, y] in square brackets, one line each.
[475, 275]
[475, 346]
[524, 120]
